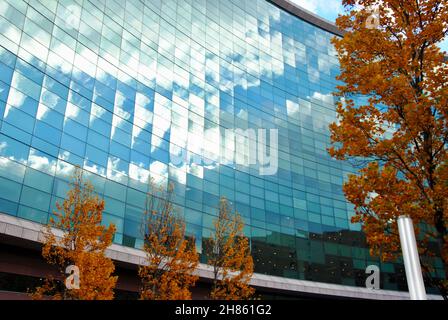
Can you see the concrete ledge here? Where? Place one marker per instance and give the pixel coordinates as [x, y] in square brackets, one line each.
[32, 231]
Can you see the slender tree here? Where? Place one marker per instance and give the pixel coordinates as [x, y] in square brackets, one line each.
[82, 244]
[391, 56]
[171, 259]
[228, 252]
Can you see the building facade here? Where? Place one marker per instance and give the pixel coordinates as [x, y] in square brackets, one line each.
[134, 89]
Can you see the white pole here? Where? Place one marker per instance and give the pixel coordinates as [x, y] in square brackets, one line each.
[411, 259]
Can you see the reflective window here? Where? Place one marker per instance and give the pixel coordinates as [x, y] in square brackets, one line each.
[34, 198]
[131, 90]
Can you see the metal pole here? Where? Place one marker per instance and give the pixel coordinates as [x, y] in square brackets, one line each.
[411, 259]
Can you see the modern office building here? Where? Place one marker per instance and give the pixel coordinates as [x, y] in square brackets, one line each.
[134, 89]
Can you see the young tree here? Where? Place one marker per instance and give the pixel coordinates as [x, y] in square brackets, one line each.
[400, 132]
[83, 244]
[228, 253]
[171, 259]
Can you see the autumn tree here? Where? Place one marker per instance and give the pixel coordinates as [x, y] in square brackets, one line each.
[397, 135]
[171, 258]
[228, 252]
[82, 243]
